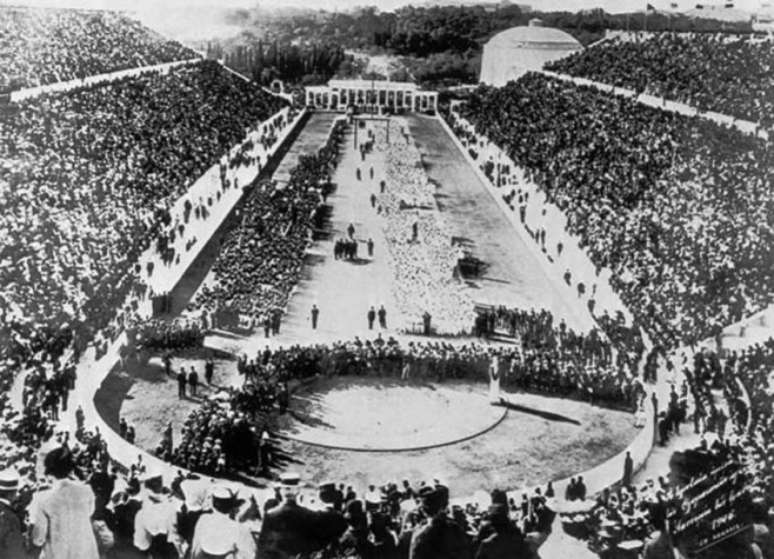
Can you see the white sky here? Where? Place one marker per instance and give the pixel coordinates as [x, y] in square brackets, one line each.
[198, 19]
[174, 5]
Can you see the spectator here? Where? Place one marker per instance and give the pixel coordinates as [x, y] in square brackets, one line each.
[61, 526]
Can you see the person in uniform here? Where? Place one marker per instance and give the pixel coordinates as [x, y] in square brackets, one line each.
[11, 539]
[290, 529]
[371, 318]
[382, 316]
[217, 536]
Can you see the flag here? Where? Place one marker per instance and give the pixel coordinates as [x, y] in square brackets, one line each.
[650, 9]
[673, 5]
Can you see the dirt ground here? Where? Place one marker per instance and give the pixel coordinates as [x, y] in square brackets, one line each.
[524, 449]
[368, 413]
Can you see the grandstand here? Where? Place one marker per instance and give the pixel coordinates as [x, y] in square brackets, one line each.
[222, 309]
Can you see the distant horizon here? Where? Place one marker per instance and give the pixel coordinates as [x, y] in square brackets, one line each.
[611, 6]
[200, 20]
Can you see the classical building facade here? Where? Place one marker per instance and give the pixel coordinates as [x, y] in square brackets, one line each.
[371, 96]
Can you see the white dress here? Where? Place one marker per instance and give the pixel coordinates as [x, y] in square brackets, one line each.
[494, 381]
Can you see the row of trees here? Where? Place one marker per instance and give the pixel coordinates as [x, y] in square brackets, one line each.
[295, 64]
[442, 43]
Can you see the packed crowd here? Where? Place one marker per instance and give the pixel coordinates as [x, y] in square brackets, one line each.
[78, 245]
[81, 505]
[731, 427]
[162, 335]
[69, 277]
[571, 369]
[44, 46]
[261, 256]
[675, 207]
[424, 261]
[721, 73]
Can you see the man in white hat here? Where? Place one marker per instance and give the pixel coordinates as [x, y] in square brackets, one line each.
[155, 525]
[217, 536]
[11, 539]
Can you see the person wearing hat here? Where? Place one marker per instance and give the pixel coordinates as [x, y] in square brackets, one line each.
[61, 525]
[354, 542]
[506, 541]
[217, 535]
[438, 537]
[290, 529]
[11, 539]
[155, 524]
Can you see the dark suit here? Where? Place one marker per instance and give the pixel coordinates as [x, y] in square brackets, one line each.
[439, 538]
[290, 529]
[11, 540]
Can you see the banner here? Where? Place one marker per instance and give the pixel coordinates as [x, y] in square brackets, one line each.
[712, 507]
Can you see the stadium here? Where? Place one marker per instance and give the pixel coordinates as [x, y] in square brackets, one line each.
[469, 281]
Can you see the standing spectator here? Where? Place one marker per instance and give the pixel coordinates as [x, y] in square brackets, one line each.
[439, 537]
[290, 529]
[217, 535]
[155, 525]
[371, 318]
[11, 539]
[315, 314]
[628, 470]
[507, 541]
[181, 381]
[209, 371]
[61, 526]
[193, 381]
[382, 316]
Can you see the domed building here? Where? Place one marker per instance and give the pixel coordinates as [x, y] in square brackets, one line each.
[516, 51]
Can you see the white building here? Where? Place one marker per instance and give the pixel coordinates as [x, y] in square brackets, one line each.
[516, 51]
[371, 96]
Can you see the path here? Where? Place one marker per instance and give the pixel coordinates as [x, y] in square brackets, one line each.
[514, 276]
[343, 290]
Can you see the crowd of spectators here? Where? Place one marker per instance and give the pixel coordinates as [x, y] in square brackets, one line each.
[675, 207]
[115, 512]
[44, 46]
[424, 261]
[260, 258]
[163, 335]
[722, 73]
